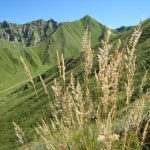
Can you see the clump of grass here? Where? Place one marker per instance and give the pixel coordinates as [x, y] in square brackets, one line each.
[88, 54]
[78, 121]
[29, 74]
[131, 62]
[45, 87]
[61, 65]
[19, 133]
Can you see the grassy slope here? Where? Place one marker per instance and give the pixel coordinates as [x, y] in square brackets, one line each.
[10, 66]
[67, 39]
[24, 109]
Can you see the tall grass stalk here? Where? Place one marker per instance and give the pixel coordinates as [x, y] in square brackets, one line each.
[45, 87]
[28, 72]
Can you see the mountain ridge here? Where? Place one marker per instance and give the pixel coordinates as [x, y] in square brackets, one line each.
[66, 38]
[31, 33]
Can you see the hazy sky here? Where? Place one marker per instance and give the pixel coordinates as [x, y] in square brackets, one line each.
[113, 13]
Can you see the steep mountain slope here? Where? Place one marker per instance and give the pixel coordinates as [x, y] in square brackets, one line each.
[10, 64]
[68, 39]
[40, 52]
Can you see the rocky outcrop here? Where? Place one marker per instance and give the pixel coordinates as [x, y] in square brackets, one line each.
[28, 34]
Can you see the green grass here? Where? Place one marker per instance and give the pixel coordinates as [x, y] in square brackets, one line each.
[67, 39]
[19, 103]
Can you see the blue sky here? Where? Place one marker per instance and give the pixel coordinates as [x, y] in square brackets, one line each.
[113, 13]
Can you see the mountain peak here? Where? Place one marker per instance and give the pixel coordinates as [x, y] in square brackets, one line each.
[5, 24]
[87, 17]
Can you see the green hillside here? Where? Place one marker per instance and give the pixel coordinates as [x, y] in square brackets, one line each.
[11, 68]
[20, 104]
[66, 38]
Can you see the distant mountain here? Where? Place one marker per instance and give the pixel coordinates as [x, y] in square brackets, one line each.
[32, 33]
[37, 42]
[28, 34]
[124, 28]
